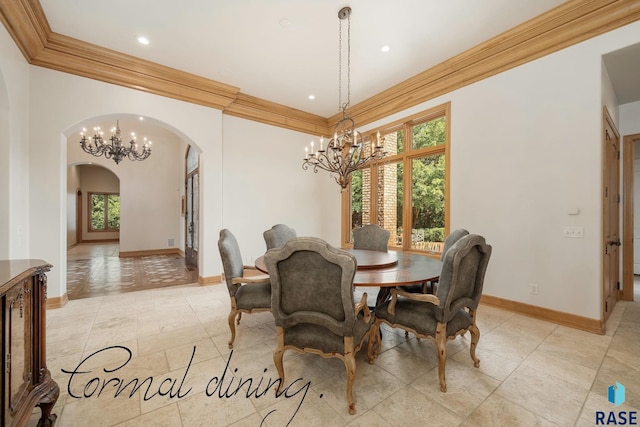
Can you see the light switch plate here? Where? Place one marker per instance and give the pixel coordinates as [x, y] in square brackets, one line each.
[573, 232]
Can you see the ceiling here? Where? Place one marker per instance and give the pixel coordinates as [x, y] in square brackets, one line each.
[623, 66]
[285, 50]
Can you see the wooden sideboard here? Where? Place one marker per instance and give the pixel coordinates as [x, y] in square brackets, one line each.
[26, 381]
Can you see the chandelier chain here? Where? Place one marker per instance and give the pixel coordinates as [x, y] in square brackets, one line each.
[340, 65]
[344, 106]
[348, 61]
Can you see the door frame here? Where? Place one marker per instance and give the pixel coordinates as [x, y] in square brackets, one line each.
[191, 255]
[79, 206]
[607, 120]
[628, 154]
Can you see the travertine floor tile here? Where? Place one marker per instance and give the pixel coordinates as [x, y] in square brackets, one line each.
[168, 416]
[200, 410]
[549, 397]
[491, 363]
[561, 368]
[467, 387]
[410, 407]
[499, 412]
[576, 346]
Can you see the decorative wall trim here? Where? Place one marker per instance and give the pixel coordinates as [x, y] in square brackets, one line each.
[168, 251]
[570, 23]
[209, 280]
[57, 302]
[566, 319]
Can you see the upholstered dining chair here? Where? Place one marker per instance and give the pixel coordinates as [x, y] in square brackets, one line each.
[453, 237]
[452, 310]
[313, 305]
[278, 235]
[430, 287]
[372, 237]
[249, 293]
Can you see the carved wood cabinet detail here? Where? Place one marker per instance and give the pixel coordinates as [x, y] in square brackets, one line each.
[26, 381]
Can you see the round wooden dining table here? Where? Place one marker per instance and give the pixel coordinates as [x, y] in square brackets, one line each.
[387, 270]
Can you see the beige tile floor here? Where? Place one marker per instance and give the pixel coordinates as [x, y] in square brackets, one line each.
[531, 373]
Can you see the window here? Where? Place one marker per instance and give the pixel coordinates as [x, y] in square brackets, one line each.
[408, 193]
[104, 212]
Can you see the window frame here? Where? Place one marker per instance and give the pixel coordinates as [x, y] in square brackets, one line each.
[106, 212]
[406, 157]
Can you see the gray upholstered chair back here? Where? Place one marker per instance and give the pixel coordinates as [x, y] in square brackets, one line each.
[372, 237]
[312, 282]
[453, 237]
[278, 235]
[231, 259]
[462, 276]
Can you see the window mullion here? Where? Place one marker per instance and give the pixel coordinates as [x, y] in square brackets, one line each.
[106, 211]
[406, 203]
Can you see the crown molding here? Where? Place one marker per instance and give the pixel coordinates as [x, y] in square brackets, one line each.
[27, 25]
[568, 24]
[260, 110]
[572, 22]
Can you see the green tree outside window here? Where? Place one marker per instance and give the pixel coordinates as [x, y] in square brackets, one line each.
[104, 212]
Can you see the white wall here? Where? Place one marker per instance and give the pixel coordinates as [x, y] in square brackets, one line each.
[14, 150]
[629, 118]
[5, 189]
[609, 98]
[264, 184]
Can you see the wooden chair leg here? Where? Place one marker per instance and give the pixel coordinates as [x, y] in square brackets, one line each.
[475, 337]
[441, 345]
[239, 317]
[374, 339]
[278, 354]
[232, 326]
[350, 364]
[377, 347]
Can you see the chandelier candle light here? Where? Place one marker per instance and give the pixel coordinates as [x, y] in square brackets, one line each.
[345, 152]
[116, 150]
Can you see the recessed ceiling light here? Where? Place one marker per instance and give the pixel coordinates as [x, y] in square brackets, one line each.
[143, 40]
[312, 97]
[141, 118]
[386, 48]
[284, 22]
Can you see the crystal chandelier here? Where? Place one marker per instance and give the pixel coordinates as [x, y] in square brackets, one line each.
[115, 150]
[345, 152]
